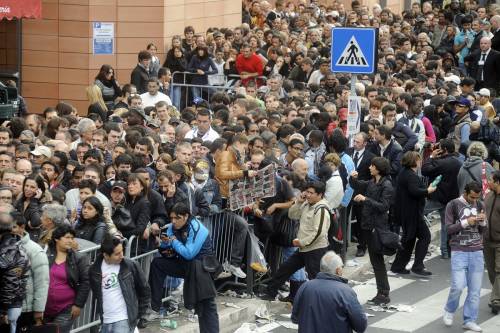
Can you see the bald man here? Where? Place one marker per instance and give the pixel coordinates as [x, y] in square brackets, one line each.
[301, 168]
[485, 66]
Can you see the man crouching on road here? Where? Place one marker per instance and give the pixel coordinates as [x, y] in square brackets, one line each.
[328, 301]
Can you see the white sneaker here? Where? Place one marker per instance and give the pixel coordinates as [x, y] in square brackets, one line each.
[152, 315]
[472, 326]
[236, 271]
[448, 318]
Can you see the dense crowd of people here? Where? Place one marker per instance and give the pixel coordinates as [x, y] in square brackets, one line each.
[155, 156]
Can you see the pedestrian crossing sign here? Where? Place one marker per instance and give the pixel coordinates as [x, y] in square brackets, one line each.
[354, 50]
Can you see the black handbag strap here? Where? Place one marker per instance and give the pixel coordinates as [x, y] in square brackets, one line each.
[322, 208]
[472, 176]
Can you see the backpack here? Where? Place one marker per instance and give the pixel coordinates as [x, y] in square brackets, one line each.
[400, 138]
[335, 235]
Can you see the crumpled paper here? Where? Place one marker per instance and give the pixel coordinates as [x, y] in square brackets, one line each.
[263, 312]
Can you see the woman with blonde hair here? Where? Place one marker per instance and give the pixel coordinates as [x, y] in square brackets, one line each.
[97, 105]
[475, 167]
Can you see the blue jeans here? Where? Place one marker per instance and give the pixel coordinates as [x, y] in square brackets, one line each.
[466, 271]
[121, 326]
[176, 97]
[431, 206]
[63, 320]
[13, 314]
[299, 275]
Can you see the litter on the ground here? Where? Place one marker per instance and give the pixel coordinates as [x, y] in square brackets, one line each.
[352, 263]
[402, 307]
[231, 305]
[286, 315]
[369, 315]
[263, 312]
[289, 325]
[423, 280]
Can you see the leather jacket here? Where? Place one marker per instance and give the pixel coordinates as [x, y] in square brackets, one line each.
[14, 265]
[133, 284]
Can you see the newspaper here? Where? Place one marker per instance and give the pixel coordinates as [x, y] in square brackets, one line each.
[246, 191]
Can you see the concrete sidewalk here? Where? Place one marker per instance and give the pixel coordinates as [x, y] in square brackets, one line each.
[234, 311]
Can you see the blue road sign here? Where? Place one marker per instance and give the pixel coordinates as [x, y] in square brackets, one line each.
[354, 50]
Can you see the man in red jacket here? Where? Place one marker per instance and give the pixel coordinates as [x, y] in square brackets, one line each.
[249, 65]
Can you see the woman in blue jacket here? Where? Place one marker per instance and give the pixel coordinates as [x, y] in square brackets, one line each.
[202, 65]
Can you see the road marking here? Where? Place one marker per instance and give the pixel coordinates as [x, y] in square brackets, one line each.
[426, 311]
[369, 289]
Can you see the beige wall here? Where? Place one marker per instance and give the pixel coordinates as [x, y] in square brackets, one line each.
[57, 50]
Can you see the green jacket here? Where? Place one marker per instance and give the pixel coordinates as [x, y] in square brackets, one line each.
[37, 286]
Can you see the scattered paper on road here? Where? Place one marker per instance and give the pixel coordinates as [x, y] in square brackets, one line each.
[263, 312]
[352, 263]
[289, 325]
[231, 305]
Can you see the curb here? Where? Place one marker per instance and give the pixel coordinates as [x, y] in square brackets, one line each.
[231, 318]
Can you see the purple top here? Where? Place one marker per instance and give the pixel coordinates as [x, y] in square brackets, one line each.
[60, 295]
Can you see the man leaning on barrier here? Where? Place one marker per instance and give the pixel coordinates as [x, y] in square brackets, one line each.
[186, 248]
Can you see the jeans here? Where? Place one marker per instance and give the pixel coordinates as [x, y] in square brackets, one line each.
[13, 314]
[176, 97]
[121, 326]
[310, 260]
[299, 275]
[466, 271]
[431, 206]
[63, 320]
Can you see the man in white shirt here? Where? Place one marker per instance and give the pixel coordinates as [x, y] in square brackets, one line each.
[153, 95]
[317, 75]
[120, 288]
[203, 131]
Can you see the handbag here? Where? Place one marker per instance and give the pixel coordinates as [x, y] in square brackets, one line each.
[285, 230]
[385, 242]
[212, 265]
[122, 219]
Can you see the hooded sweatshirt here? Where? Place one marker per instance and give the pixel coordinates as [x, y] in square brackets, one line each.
[472, 170]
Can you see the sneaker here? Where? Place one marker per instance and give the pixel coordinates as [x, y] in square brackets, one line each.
[152, 315]
[380, 299]
[236, 271]
[472, 326]
[448, 318]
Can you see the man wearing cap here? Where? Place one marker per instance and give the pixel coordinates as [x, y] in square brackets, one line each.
[485, 66]
[204, 130]
[461, 130]
[485, 104]
[41, 154]
[153, 95]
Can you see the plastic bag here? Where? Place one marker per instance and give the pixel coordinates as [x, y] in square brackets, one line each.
[257, 261]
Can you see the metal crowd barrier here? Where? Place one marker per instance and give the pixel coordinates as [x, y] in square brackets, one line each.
[185, 89]
[221, 227]
[88, 315]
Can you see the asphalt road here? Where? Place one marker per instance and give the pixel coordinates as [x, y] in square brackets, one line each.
[427, 296]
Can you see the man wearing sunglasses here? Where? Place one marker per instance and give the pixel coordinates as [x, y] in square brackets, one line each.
[461, 122]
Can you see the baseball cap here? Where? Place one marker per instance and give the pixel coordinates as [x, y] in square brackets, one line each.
[120, 185]
[141, 113]
[464, 101]
[174, 120]
[42, 150]
[484, 92]
[451, 100]
[452, 78]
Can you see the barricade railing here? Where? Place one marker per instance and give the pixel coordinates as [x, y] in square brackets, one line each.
[181, 93]
[88, 315]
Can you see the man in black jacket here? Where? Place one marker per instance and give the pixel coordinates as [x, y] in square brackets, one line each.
[120, 288]
[442, 162]
[388, 148]
[14, 265]
[485, 66]
[140, 75]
